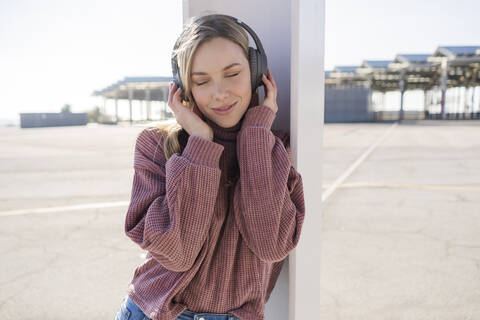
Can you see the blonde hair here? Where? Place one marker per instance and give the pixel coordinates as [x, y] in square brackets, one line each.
[199, 30]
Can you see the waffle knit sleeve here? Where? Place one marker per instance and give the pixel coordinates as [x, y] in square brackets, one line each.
[268, 199]
[172, 202]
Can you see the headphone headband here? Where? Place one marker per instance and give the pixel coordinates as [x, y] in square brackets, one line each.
[258, 43]
[256, 57]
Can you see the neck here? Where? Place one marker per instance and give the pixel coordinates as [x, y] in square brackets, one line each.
[222, 133]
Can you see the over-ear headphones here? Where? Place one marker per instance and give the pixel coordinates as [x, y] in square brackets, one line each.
[257, 59]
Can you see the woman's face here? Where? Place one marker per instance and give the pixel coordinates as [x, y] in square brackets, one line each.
[221, 76]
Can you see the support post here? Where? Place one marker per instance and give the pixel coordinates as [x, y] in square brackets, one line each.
[425, 103]
[443, 86]
[472, 111]
[116, 106]
[149, 105]
[465, 102]
[297, 63]
[401, 85]
[130, 97]
[104, 108]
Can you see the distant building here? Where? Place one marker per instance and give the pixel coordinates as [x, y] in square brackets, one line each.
[51, 119]
[141, 89]
[449, 67]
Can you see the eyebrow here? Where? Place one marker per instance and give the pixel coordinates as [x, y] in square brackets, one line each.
[227, 67]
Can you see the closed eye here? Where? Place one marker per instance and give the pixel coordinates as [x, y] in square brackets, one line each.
[230, 76]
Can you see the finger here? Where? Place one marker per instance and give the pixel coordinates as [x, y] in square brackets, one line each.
[270, 75]
[272, 80]
[274, 84]
[176, 96]
[265, 79]
[177, 92]
[267, 83]
[173, 98]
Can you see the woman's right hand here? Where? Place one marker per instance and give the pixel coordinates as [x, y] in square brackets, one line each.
[185, 116]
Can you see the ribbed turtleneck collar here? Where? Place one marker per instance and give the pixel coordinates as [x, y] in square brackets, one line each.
[228, 134]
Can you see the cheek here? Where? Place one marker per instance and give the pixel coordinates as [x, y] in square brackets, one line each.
[243, 83]
[199, 99]
[199, 95]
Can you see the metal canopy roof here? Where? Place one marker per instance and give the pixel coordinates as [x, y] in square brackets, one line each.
[345, 69]
[140, 87]
[453, 52]
[411, 58]
[376, 64]
[413, 71]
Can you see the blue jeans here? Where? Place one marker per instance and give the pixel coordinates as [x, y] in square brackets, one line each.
[130, 311]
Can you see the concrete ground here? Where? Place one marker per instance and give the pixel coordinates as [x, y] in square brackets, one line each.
[400, 238]
[401, 235]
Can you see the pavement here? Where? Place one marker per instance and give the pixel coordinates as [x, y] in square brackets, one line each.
[400, 235]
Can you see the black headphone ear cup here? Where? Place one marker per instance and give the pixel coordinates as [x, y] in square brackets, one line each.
[261, 66]
[258, 66]
[252, 60]
[176, 77]
[179, 85]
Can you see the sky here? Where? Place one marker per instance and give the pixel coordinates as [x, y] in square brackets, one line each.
[381, 29]
[58, 52]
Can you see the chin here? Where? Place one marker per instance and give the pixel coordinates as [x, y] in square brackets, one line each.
[231, 120]
[227, 124]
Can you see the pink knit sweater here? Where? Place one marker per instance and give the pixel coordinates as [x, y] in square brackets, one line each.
[210, 247]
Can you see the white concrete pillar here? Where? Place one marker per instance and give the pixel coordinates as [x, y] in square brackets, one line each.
[458, 105]
[104, 108]
[130, 97]
[116, 106]
[401, 85]
[425, 101]
[443, 86]
[384, 101]
[286, 29]
[116, 110]
[465, 101]
[306, 131]
[149, 105]
[472, 110]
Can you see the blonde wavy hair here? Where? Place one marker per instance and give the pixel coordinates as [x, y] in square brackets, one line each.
[197, 31]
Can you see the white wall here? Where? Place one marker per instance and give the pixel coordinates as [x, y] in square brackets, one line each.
[307, 112]
[273, 29]
[292, 34]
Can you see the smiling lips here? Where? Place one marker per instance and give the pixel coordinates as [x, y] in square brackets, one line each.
[224, 109]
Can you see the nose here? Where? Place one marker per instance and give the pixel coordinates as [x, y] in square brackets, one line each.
[220, 92]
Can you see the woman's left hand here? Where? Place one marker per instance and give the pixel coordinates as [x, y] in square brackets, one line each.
[271, 98]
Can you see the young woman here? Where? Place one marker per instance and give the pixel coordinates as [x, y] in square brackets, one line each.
[215, 201]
